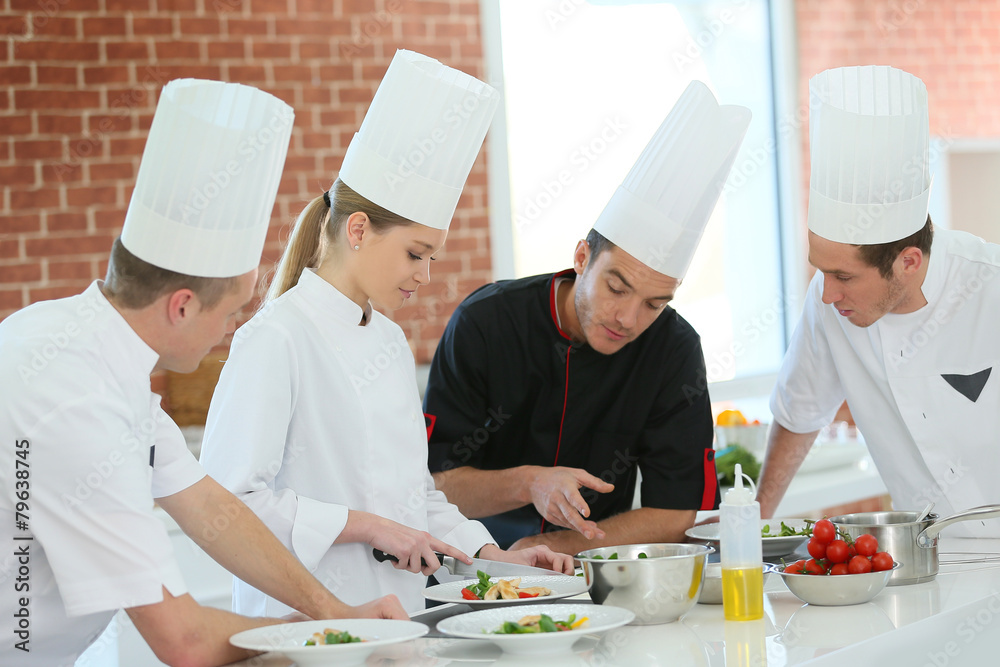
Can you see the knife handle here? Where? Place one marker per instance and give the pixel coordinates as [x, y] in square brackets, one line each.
[382, 556]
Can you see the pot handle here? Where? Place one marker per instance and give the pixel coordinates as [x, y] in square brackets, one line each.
[926, 538]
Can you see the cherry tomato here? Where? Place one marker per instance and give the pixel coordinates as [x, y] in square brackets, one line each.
[867, 545]
[798, 567]
[839, 568]
[813, 566]
[816, 548]
[836, 551]
[527, 595]
[859, 565]
[469, 595]
[881, 561]
[824, 531]
[852, 551]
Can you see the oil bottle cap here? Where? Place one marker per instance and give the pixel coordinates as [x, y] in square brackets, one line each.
[740, 495]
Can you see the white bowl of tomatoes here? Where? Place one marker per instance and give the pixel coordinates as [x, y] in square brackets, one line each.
[841, 571]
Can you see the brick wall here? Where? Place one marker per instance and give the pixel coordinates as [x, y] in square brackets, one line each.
[78, 85]
[952, 45]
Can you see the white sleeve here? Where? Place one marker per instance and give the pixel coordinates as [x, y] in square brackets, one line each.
[246, 437]
[92, 509]
[174, 466]
[808, 391]
[446, 523]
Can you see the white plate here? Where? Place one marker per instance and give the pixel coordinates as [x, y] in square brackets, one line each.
[770, 546]
[562, 587]
[288, 638]
[481, 624]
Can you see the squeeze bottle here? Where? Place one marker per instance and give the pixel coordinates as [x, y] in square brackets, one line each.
[740, 544]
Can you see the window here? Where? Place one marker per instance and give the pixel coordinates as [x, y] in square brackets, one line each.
[585, 85]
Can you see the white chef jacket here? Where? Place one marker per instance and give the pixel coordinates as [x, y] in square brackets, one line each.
[76, 397]
[314, 415]
[923, 387]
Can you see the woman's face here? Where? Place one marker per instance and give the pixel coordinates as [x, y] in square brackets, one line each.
[391, 266]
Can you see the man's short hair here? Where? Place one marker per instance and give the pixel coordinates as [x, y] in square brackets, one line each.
[134, 283]
[883, 255]
[598, 244]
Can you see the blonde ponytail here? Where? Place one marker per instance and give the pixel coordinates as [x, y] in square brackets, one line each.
[303, 249]
[311, 236]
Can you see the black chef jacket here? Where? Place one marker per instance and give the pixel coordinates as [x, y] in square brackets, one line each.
[507, 387]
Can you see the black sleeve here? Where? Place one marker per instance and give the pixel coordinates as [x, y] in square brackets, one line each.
[676, 455]
[456, 394]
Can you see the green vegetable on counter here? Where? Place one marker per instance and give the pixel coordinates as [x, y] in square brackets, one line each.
[481, 586]
[726, 460]
[786, 530]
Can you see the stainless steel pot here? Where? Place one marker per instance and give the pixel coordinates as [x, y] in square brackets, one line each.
[913, 544]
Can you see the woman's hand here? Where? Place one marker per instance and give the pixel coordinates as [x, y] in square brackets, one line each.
[409, 545]
[538, 556]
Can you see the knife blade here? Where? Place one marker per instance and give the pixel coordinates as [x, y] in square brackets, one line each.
[494, 568]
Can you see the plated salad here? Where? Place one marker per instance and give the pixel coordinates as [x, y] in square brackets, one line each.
[330, 636]
[535, 623]
[503, 589]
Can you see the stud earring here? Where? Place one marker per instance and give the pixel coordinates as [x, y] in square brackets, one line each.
[357, 247]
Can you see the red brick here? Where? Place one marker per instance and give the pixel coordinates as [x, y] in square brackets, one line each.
[341, 73]
[289, 73]
[149, 25]
[39, 51]
[19, 224]
[106, 124]
[14, 75]
[47, 197]
[62, 172]
[411, 29]
[218, 50]
[111, 171]
[56, 26]
[56, 99]
[347, 117]
[115, 6]
[265, 49]
[16, 125]
[9, 248]
[105, 25]
[355, 95]
[258, 7]
[192, 5]
[137, 51]
[67, 245]
[84, 148]
[360, 7]
[11, 299]
[314, 140]
[110, 218]
[317, 50]
[350, 49]
[14, 26]
[247, 74]
[27, 149]
[251, 27]
[65, 222]
[451, 30]
[20, 273]
[49, 75]
[177, 50]
[283, 26]
[195, 71]
[49, 293]
[96, 75]
[87, 196]
[71, 271]
[210, 26]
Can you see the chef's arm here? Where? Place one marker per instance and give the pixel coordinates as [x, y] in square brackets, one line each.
[230, 533]
[638, 526]
[785, 452]
[555, 493]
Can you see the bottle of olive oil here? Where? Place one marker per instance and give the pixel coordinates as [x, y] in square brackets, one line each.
[740, 544]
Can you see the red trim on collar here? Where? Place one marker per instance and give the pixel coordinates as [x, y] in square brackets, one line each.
[552, 299]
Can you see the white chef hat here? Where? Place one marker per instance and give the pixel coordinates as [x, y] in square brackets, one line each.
[208, 177]
[869, 141]
[419, 139]
[659, 212]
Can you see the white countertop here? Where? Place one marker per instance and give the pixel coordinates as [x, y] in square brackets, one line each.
[953, 620]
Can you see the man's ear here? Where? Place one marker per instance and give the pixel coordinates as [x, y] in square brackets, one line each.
[181, 305]
[581, 256]
[911, 260]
